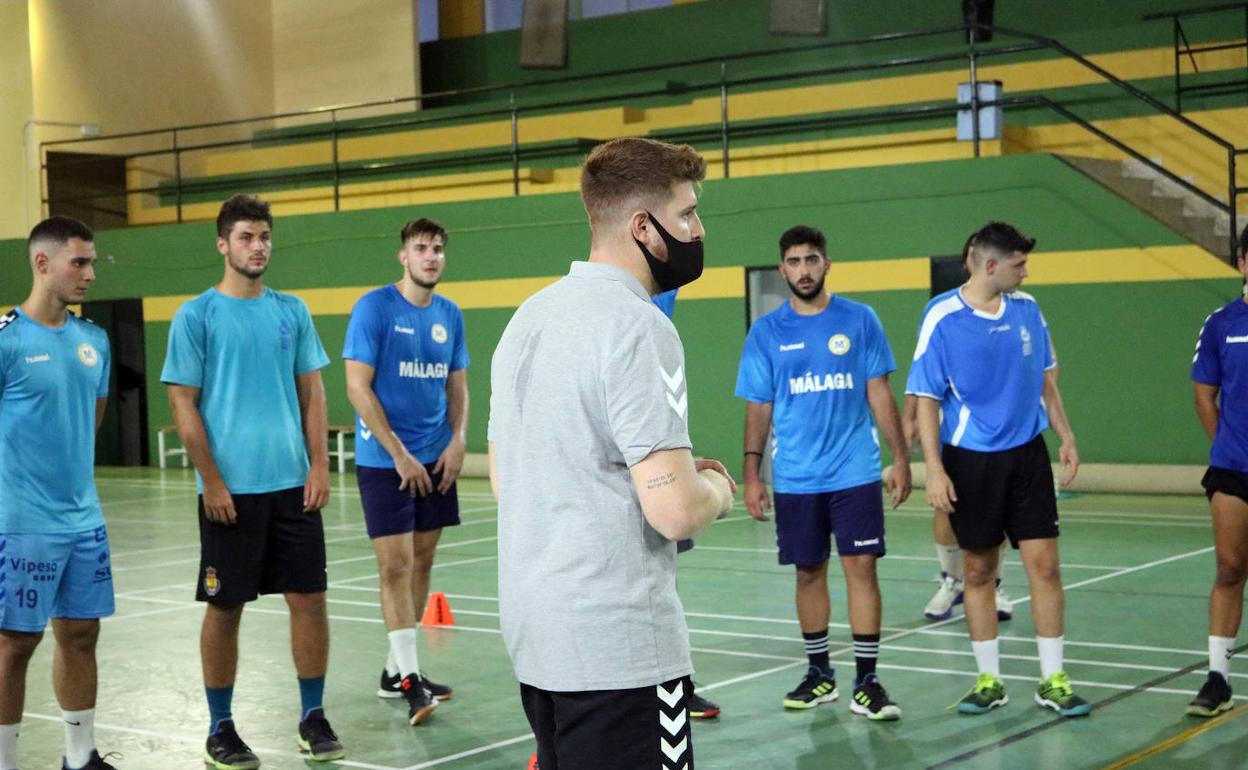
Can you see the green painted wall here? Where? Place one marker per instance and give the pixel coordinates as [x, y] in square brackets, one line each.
[715, 28]
[1124, 348]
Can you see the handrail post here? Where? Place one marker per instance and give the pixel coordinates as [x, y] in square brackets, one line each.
[515, 146]
[723, 114]
[333, 122]
[1233, 198]
[177, 173]
[974, 97]
[1178, 64]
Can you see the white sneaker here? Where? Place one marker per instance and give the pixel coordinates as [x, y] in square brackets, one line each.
[947, 596]
[1005, 607]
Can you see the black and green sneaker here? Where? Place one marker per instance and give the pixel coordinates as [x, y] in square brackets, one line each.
[987, 694]
[226, 751]
[1214, 697]
[871, 701]
[819, 686]
[318, 740]
[1055, 693]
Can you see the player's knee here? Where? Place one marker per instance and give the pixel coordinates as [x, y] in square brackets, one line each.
[1231, 571]
[77, 636]
[976, 574]
[808, 577]
[395, 572]
[306, 602]
[18, 645]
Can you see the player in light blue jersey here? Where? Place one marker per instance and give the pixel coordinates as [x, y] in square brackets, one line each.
[948, 554]
[818, 367]
[1220, 377]
[54, 553]
[243, 371]
[407, 377]
[985, 376]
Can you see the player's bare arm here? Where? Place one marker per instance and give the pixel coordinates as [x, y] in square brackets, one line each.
[1066, 453]
[311, 390]
[884, 410]
[412, 474]
[184, 402]
[679, 496]
[1207, 407]
[757, 428]
[451, 461]
[940, 492]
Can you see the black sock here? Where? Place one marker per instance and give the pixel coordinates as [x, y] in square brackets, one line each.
[817, 649]
[866, 653]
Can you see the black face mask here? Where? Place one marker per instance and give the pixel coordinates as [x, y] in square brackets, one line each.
[684, 259]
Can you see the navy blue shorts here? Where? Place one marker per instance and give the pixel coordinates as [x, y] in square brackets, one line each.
[389, 510]
[805, 524]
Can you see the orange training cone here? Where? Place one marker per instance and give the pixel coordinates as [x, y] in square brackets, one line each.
[533, 763]
[438, 611]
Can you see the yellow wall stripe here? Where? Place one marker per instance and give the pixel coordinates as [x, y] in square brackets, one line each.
[1130, 265]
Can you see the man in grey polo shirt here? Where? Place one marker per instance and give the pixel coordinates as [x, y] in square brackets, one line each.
[590, 460]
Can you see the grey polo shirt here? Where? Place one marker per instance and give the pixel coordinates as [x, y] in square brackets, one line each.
[587, 380]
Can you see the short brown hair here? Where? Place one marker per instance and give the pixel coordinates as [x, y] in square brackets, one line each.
[631, 169]
[242, 208]
[421, 227]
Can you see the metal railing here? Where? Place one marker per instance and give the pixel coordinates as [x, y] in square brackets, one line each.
[337, 173]
[1183, 46]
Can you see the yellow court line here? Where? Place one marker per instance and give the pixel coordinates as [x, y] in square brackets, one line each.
[1129, 265]
[1174, 740]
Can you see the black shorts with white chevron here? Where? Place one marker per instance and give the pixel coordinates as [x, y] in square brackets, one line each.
[646, 727]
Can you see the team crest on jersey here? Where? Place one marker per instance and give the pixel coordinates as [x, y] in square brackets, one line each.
[87, 354]
[212, 586]
[838, 344]
[1025, 336]
[438, 332]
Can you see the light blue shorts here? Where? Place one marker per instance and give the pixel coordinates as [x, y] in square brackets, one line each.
[54, 575]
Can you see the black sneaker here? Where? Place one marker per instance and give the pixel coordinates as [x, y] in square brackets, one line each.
[818, 687]
[1214, 697]
[701, 708]
[438, 691]
[390, 685]
[420, 702]
[317, 738]
[95, 763]
[871, 701]
[226, 751]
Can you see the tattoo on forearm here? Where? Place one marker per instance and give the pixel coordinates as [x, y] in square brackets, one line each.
[661, 481]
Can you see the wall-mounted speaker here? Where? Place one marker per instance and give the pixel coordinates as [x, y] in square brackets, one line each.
[798, 17]
[544, 34]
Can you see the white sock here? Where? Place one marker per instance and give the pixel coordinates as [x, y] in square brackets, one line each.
[392, 668]
[8, 746]
[950, 557]
[987, 656]
[1050, 648]
[79, 737]
[403, 648]
[1220, 654]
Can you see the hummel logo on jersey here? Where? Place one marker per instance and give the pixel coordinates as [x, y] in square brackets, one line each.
[366, 434]
[794, 346]
[404, 329]
[1001, 328]
[39, 359]
[861, 543]
[1232, 340]
[675, 383]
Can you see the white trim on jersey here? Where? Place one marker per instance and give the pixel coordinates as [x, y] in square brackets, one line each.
[935, 315]
[964, 417]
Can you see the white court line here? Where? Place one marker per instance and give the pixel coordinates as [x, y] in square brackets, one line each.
[199, 741]
[373, 556]
[374, 576]
[195, 559]
[899, 557]
[470, 752]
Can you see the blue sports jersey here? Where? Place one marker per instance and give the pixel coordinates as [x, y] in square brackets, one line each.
[412, 349]
[1222, 360]
[987, 370]
[244, 355]
[666, 302]
[50, 380]
[814, 371]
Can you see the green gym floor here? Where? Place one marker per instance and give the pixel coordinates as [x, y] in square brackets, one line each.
[1137, 571]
